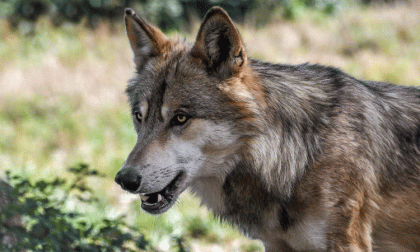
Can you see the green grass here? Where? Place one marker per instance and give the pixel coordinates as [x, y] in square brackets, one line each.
[38, 129]
[62, 101]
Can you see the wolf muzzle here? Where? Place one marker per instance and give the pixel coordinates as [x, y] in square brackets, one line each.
[128, 179]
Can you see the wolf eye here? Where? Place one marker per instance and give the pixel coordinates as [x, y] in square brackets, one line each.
[179, 119]
[138, 116]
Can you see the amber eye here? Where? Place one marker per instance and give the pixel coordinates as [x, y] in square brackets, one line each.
[179, 119]
[138, 116]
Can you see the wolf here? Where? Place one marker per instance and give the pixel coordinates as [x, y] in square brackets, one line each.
[303, 157]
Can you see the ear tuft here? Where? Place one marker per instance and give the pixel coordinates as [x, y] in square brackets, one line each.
[129, 12]
[219, 44]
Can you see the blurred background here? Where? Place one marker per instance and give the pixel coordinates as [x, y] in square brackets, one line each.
[64, 66]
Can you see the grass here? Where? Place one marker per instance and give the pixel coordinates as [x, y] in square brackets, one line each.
[62, 100]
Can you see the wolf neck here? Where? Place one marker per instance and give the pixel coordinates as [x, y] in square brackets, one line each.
[283, 145]
[290, 124]
[243, 200]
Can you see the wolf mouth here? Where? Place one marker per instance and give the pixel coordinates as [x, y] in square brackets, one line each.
[159, 202]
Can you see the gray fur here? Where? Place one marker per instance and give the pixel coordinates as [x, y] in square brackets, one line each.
[303, 157]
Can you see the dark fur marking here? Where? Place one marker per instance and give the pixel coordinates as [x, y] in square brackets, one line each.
[284, 217]
[161, 93]
[244, 192]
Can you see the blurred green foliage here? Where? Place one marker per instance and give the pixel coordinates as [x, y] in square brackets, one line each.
[166, 14]
[293, 8]
[48, 226]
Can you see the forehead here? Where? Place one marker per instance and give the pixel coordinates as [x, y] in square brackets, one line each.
[176, 79]
[186, 80]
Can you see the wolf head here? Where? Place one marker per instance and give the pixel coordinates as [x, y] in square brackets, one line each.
[192, 108]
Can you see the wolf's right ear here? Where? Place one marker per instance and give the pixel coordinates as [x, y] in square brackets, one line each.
[146, 40]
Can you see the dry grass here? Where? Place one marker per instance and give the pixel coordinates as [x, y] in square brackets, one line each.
[94, 66]
[380, 44]
[91, 66]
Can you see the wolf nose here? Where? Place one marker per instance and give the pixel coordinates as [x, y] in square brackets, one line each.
[128, 179]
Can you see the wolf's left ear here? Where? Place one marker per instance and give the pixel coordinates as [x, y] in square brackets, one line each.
[219, 44]
[146, 40]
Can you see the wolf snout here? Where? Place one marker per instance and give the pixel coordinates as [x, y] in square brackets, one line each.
[128, 179]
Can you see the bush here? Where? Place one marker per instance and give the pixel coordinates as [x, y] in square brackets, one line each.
[47, 226]
[166, 14]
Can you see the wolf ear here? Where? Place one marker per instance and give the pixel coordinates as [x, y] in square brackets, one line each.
[146, 40]
[219, 44]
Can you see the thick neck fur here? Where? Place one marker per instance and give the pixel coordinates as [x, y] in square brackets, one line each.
[274, 159]
[295, 112]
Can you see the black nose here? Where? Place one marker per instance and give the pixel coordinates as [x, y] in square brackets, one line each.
[128, 179]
